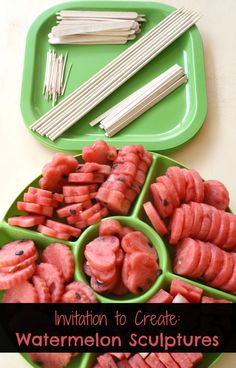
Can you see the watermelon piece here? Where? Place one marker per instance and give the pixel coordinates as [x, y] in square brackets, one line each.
[205, 258]
[216, 194]
[94, 219]
[94, 167]
[62, 257]
[167, 360]
[191, 292]
[153, 361]
[215, 265]
[176, 225]
[190, 194]
[85, 215]
[45, 230]
[161, 296]
[26, 221]
[198, 186]
[51, 360]
[207, 300]
[106, 361]
[16, 252]
[35, 208]
[198, 216]
[162, 200]
[182, 360]
[53, 278]
[85, 291]
[21, 293]
[79, 190]
[110, 227]
[195, 358]
[139, 272]
[188, 221]
[226, 271]
[77, 199]
[101, 286]
[106, 277]
[55, 174]
[84, 178]
[9, 280]
[99, 152]
[39, 199]
[187, 257]
[40, 192]
[175, 173]
[70, 210]
[136, 361]
[223, 230]
[42, 289]
[155, 219]
[59, 227]
[20, 266]
[167, 182]
[100, 252]
[137, 242]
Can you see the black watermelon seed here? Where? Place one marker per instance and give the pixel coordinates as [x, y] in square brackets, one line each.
[73, 212]
[93, 200]
[159, 272]
[139, 289]
[78, 296]
[19, 252]
[65, 176]
[150, 245]
[22, 240]
[165, 202]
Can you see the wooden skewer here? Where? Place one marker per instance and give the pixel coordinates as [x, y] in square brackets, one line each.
[150, 52]
[106, 71]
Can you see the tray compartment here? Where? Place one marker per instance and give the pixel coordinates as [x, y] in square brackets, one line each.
[92, 232]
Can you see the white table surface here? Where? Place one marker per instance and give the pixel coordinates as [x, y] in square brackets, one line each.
[212, 151]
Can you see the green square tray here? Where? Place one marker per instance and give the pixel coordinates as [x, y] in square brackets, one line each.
[166, 126]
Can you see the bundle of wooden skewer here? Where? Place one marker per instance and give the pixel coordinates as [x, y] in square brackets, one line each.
[123, 113]
[61, 117]
[54, 81]
[95, 27]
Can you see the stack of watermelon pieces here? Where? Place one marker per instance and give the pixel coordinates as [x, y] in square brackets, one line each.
[50, 281]
[120, 260]
[75, 195]
[149, 360]
[194, 215]
[180, 292]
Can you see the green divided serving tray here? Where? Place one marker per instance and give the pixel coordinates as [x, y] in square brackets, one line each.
[136, 219]
[166, 126]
